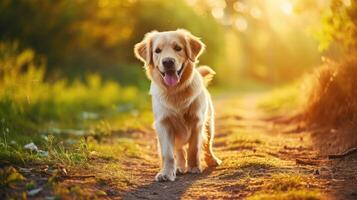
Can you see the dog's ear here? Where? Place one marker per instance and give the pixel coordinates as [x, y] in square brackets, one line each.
[194, 46]
[142, 50]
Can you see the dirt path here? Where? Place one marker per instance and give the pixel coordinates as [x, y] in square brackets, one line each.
[256, 159]
[260, 161]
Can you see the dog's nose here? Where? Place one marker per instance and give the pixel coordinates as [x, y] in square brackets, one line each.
[168, 63]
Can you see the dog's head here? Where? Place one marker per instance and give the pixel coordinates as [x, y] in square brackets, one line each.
[169, 56]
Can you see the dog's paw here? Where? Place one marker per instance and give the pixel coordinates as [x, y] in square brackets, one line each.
[180, 170]
[213, 162]
[194, 170]
[165, 175]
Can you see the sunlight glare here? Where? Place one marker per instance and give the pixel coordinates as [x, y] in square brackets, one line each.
[256, 13]
[191, 2]
[217, 3]
[286, 7]
[347, 3]
[241, 24]
[239, 7]
[217, 12]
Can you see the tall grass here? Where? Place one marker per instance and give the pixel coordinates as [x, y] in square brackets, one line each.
[27, 100]
[282, 100]
[332, 94]
[331, 104]
[30, 102]
[325, 102]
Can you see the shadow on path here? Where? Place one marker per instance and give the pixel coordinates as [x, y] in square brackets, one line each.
[167, 190]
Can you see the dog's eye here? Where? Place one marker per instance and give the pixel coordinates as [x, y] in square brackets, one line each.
[157, 50]
[177, 48]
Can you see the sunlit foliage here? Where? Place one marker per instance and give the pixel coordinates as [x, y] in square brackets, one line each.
[331, 105]
[334, 23]
[26, 100]
[78, 36]
[266, 39]
[339, 25]
[244, 38]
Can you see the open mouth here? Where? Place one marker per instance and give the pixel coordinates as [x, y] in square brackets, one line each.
[172, 77]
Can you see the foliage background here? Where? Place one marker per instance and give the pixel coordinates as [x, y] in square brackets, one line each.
[265, 41]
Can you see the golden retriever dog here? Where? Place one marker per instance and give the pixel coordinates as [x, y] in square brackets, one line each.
[181, 104]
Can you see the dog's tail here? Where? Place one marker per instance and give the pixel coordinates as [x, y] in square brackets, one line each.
[207, 73]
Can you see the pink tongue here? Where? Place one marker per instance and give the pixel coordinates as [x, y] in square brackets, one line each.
[171, 79]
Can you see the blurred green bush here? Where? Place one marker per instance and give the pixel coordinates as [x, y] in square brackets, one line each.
[27, 101]
[79, 37]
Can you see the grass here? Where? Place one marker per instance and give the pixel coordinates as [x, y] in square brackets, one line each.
[331, 99]
[285, 182]
[117, 148]
[57, 152]
[285, 186]
[289, 195]
[32, 109]
[53, 152]
[282, 100]
[267, 176]
[29, 99]
[331, 105]
[246, 167]
[324, 100]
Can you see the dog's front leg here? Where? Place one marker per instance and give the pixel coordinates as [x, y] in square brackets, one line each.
[194, 148]
[166, 141]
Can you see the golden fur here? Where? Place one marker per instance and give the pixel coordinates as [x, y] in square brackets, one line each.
[182, 108]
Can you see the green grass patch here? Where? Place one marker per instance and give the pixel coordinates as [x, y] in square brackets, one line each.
[285, 186]
[248, 164]
[117, 148]
[253, 163]
[50, 150]
[245, 137]
[249, 139]
[115, 173]
[289, 195]
[29, 102]
[281, 100]
[285, 182]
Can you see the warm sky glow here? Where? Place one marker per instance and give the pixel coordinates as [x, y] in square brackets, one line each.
[256, 12]
[244, 10]
[286, 7]
[347, 2]
[239, 7]
[241, 23]
[217, 12]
